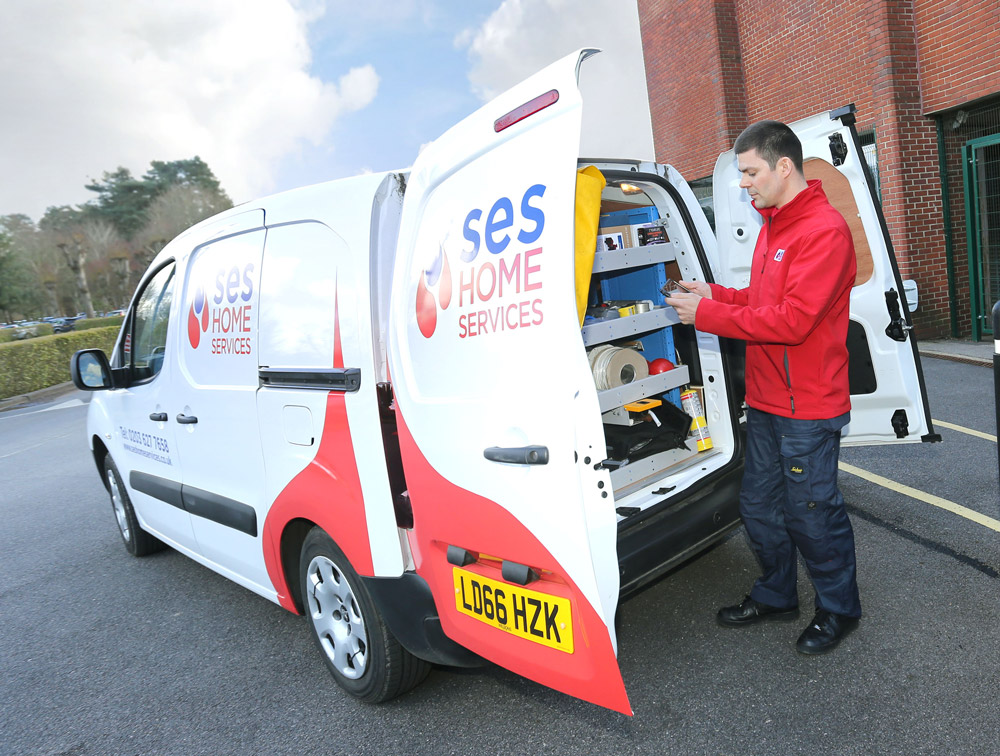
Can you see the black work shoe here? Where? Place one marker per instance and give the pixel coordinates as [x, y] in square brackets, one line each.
[748, 611]
[824, 632]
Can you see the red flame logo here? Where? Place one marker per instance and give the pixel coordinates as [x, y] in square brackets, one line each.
[196, 325]
[439, 274]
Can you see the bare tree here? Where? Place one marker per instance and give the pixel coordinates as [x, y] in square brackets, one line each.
[75, 253]
[107, 255]
[175, 210]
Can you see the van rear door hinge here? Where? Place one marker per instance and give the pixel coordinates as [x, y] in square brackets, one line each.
[838, 149]
[898, 329]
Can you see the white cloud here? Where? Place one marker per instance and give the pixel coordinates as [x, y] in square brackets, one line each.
[87, 87]
[523, 36]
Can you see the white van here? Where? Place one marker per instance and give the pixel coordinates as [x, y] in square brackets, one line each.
[371, 402]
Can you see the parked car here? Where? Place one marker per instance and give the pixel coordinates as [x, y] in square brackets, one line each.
[26, 329]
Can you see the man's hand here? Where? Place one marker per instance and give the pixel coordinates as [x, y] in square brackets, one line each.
[686, 305]
[700, 288]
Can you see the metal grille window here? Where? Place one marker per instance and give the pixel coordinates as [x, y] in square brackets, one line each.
[970, 142]
[871, 157]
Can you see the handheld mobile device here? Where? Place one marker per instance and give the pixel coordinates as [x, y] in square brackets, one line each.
[671, 285]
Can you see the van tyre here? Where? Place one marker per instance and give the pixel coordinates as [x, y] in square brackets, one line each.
[137, 541]
[364, 657]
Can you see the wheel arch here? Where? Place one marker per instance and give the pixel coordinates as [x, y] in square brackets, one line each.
[100, 451]
[292, 537]
[314, 498]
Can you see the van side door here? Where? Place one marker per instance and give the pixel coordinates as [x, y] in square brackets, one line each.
[215, 413]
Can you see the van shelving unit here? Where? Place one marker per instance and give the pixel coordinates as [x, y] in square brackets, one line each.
[637, 274]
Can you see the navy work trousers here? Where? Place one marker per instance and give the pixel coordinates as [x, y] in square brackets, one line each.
[790, 501]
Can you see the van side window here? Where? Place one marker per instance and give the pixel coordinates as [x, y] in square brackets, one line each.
[305, 300]
[150, 318]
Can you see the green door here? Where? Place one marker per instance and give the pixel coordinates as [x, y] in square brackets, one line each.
[981, 167]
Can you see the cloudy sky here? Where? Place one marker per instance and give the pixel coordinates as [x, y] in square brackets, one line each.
[274, 94]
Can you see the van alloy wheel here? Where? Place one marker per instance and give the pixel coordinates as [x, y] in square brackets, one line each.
[348, 627]
[337, 618]
[119, 506]
[137, 541]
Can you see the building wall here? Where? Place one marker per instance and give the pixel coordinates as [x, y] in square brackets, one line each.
[714, 66]
[695, 81]
[958, 45]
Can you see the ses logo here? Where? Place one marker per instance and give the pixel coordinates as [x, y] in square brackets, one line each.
[490, 291]
[224, 312]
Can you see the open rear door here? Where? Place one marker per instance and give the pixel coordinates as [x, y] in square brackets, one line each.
[888, 398]
[514, 525]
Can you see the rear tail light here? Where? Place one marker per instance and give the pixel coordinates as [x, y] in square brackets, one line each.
[523, 111]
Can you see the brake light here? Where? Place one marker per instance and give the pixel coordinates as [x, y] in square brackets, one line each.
[523, 111]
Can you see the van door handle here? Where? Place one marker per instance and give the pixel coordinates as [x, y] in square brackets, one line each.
[158, 417]
[518, 455]
[186, 419]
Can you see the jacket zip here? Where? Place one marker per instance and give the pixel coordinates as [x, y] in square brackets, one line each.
[767, 247]
[788, 382]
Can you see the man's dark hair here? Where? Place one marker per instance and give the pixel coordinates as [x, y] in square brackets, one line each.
[772, 140]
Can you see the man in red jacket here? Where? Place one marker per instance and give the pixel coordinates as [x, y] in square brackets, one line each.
[794, 318]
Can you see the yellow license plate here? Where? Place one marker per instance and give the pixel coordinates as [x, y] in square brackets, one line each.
[534, 616]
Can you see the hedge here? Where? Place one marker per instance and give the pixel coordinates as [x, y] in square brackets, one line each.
[85, 323]
[38, 363]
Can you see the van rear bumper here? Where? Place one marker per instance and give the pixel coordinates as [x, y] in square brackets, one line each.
[408, 608]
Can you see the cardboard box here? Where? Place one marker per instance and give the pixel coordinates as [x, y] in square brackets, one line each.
[651, 234]
[614, 238]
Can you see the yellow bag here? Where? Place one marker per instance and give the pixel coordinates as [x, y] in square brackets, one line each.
[589, 183]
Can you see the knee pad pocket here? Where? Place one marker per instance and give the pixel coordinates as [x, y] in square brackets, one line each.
[809, 522]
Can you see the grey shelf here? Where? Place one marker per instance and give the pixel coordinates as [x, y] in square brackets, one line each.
[633, 392]
[635, 475]
[621, 328]
[633, 257]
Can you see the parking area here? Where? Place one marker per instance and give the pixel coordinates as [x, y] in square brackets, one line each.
[107, 654]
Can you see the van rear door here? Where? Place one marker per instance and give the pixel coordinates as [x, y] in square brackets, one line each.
[514, 525]
[888, 398]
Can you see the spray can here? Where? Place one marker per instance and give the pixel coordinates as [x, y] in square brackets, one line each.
[691, 403]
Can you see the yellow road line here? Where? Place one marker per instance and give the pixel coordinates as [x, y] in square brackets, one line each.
[961, 429]
[937, 501]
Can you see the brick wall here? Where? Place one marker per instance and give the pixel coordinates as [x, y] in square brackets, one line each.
[713, 67]
[959, 45]
[695, 80]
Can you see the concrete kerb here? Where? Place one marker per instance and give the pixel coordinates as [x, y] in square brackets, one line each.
[959, 350]
[41, 395]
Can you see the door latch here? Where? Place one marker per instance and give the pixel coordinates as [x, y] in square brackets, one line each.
[898, 329]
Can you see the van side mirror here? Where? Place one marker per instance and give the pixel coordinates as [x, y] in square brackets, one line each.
[90, 370]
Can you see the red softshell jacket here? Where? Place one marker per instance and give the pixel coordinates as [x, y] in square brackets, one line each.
[794, 314]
